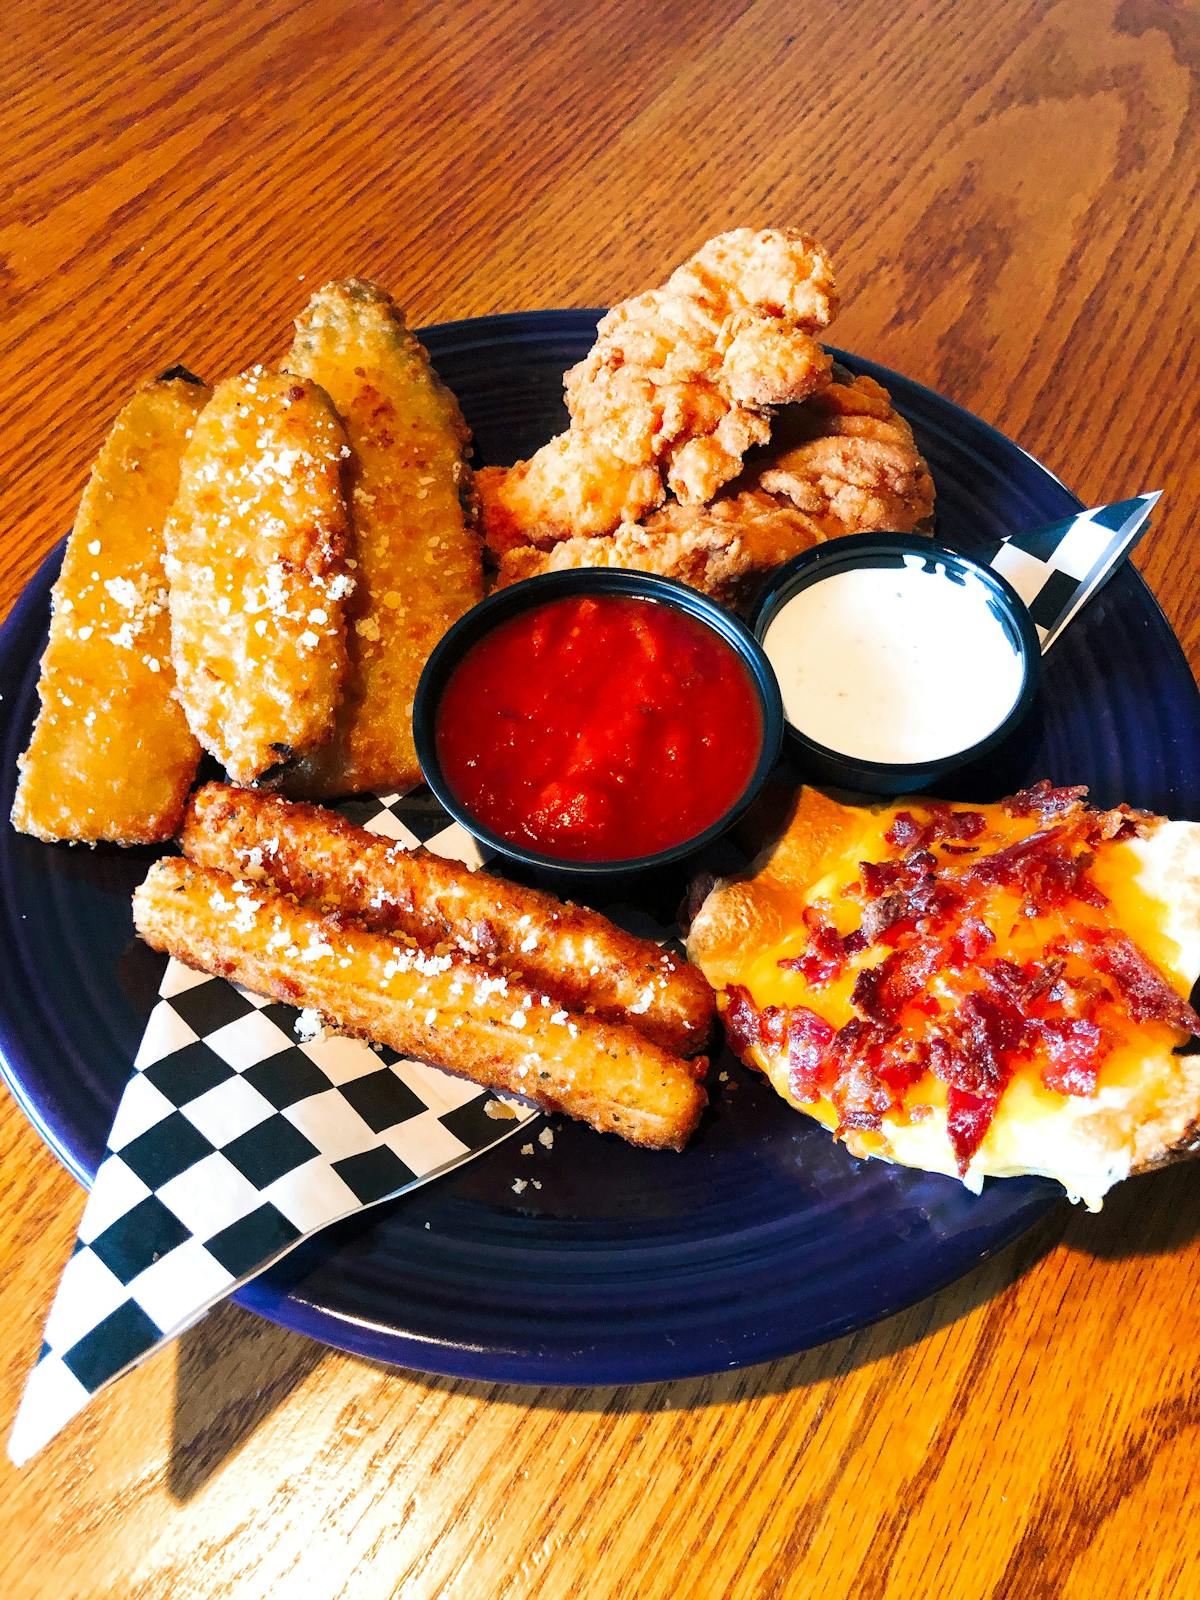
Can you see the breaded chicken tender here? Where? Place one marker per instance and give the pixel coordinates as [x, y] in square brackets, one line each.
[725, 549]
[111, 755]
[455, 1013]
[578, 955]
[256, 559]
[418, 555]
[842, 461]
[848, 460]
[680, 383]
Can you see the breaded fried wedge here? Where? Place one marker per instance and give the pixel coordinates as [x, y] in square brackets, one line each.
[419, 565]
[576, 954]
[444, 1009]
[111, 756]
[256, 558]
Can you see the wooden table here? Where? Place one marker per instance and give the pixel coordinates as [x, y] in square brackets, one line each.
[1010, 191]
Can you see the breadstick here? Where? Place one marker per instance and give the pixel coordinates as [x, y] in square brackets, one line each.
[495, 1030]
[577, 954]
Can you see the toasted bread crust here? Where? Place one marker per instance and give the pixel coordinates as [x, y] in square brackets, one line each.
[759, 906]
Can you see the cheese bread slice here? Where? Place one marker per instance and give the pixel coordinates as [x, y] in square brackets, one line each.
[993, 990]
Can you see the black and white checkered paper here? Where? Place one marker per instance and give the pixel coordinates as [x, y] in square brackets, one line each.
[244, 1129]
[1057, 569]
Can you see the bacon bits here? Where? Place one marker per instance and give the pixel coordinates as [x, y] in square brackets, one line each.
[943, 822]
[1144, 989]
[1042, 800]
[827, 951]
[1074, 1049]
[968, 1118]
[808, 1042]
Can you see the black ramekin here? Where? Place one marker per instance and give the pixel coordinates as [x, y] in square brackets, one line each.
[818, 761]
[505, 603]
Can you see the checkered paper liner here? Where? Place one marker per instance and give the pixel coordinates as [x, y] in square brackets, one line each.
[1056, 569]
[241, 1132]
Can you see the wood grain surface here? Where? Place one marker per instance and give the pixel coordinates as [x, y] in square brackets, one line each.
[1009, 187]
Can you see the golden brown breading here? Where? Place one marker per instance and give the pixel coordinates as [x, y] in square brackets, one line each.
[418, 555]
[445, 1009]
[576, 954]
[111, 756]
[573, 482]
[680, 383]
[724, 549]
[848, 460]
[256, 558]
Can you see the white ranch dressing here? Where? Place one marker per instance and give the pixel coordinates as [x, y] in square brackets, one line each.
[895, 664]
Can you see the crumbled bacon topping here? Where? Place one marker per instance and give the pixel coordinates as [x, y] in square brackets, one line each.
[1144, 989]
[968, 1118]
[827, 951]
[1043, 800]
[809, 1040]
[1047, 869]
[881, 993]
[1075, 1048]
[929, 915]
[825, 956]
[943, 822]
[741, 1018]
[857, 1090]
[969, 942]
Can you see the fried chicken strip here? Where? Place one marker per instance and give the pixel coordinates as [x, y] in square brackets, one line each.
[679, 384]
[445, 1009]
[724, 549]
[848, 460]
[842, 461]
[577, 955]
[256, 559]
[418, 555]
[111, 755]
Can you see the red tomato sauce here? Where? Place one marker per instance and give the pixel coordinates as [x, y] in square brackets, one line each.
[599, 728]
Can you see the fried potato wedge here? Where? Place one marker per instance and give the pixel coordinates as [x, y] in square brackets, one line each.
[419, 563]
[256, 558]
[442, 1008]
[577, 955]
[111, 755]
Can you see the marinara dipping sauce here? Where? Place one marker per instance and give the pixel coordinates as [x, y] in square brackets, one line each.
[599, 728]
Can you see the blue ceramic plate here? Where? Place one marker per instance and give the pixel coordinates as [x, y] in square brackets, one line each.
[764, 1237]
